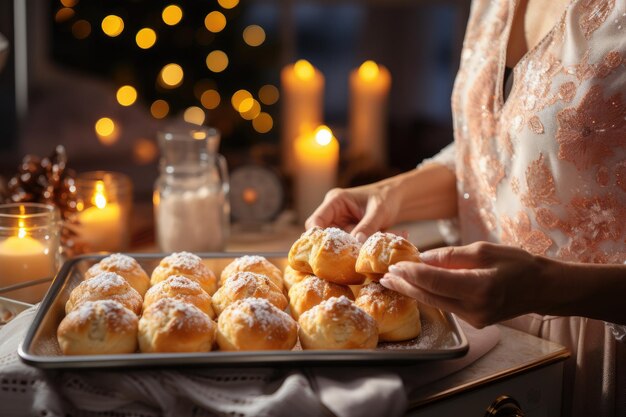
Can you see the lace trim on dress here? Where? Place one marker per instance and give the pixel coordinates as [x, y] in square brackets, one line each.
[618, 330]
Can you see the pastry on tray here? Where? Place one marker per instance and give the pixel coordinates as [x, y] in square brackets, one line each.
[311, 291]
[188, 265]
[330, 254]
[253, 263]
[291, 276]
[105, 286]
[125, 266]
[255, 324]
[181, 288]
[396, 315]
[246, 285]
[337, 323]
[98, 327]
[171, 325]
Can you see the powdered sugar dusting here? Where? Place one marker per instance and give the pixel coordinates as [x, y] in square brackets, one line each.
[384, 242]
[258, 311]
[104, 282]
[180, 283]
[338, 241]
[176, 314]
[183, 260]
[248, 261]
[110, 313]
[119, 261]
[249, 280]
[374, 293]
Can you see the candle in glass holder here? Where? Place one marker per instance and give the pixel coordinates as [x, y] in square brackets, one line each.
[369, 91]
[29, 247]
[316, 158]
[302, 105]
[103, 220]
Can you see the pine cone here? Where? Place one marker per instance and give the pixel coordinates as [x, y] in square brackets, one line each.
[47, 180]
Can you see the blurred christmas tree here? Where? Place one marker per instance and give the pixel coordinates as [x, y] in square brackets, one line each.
[200, 59]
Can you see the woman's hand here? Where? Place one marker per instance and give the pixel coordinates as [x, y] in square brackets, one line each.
[360, 210]
[428, 192]
[482, 283]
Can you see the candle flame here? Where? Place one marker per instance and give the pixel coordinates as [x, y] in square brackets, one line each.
[304, 70]
[99, 200]
[21, 227]
[323, 135]
[369, 70]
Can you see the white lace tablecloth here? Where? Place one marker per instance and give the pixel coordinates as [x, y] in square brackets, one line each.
[243, 392]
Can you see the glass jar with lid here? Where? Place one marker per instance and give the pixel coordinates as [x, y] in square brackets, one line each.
[191, 205]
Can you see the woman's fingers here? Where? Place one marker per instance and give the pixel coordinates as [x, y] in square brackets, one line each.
[450, 283]
[373, 219]
[338, 209]
[476, 255]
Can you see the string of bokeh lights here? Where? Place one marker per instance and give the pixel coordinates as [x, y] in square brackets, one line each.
[171, 75]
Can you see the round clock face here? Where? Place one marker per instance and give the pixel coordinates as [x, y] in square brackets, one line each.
[256, 194]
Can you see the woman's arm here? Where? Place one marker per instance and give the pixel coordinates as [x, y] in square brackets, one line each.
[427, 192]
[484, 283]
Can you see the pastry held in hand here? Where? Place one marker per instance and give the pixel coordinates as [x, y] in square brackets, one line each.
[125, 266]
[253, 263]
[327, 253]
[170, 325]
[337, 324]
[98, 328]
[397, 315]
[188, 265]
[255, 324]
[180, 288]
[247, 285]
[311, 291]
[105, 286]
[381, 250]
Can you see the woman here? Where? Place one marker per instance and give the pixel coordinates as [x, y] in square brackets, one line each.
[539, 169]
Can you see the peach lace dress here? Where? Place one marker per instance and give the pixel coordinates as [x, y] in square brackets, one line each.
[545, 169]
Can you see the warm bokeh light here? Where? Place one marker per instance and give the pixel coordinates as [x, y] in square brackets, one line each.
[63, 14]
[254, 35]
[172, 14]
[228, 4]
[268, 94]
[126, 95]
[304, 70]
[81, 29]
[201, 86]
[194, 115]
[323, 135]
[368, 70]
[171, 76]
[145, 38]
[210, 99]
[238, 97]
[249, 195]
[159, 109]
[144, 151]
[69, 3]
[249, 109]
[112, 25]
[199, 135]
[98, 198]
[215, 22]
[263, 123]
[217, 61]
[107, 131]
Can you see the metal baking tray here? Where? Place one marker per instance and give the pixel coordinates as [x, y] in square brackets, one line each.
[441, 336]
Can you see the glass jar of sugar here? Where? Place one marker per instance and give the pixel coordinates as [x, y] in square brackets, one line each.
[191, 206]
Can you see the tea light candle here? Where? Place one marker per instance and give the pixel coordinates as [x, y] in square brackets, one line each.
[101, 226]
[24, 257]
[302, 105]
[369, 91]
[317, 158]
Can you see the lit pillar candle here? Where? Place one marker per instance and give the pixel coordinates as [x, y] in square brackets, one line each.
[302, 105]
[23, 259]
[369, 91]
[101, 226]
[316, 158]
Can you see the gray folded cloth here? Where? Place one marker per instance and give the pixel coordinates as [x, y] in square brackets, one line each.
[324, 391]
